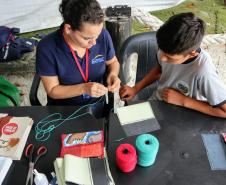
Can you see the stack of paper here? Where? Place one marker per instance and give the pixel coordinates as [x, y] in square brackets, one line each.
[5, 164]
[58, 166]
[85, 171]
[14, 132]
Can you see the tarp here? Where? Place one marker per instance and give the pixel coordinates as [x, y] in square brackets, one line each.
[30, 15]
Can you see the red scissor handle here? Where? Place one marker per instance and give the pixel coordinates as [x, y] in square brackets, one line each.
[42, 150]
[29, 150]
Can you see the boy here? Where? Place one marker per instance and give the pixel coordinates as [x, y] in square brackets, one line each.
[186, 75]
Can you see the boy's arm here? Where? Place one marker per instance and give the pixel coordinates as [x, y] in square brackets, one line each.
[127, 93]
[174, 97]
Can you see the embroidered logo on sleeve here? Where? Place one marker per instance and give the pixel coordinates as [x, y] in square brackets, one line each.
[183, 87]
[98, 59]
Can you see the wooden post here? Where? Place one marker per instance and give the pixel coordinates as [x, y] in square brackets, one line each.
[119, 29]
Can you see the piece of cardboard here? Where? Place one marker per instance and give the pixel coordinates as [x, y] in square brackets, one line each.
[137, 119]
[216, 151]
[135, 113]
[14, 132]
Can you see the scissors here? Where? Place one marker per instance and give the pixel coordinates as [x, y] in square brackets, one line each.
[33, 158]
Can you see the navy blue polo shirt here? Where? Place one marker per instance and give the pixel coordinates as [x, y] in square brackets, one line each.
[54, 58]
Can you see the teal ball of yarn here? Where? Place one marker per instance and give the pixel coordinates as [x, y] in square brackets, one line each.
[147, 147]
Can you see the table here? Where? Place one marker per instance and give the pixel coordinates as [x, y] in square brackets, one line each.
[18, 171]
[182, 159]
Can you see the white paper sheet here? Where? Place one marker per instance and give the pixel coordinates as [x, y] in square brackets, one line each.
[135, 113]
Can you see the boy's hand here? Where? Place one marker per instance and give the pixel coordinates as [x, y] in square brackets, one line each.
[113, 83]
[95, 89]
[127, 93]
[173, 97]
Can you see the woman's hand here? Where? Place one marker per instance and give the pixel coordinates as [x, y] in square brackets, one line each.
[113, 83]
[95, 89]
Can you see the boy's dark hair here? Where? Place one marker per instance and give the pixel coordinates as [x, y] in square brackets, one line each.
[76, 12]
[181, 34]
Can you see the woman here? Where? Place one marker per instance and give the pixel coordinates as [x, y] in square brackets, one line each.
[73, 60]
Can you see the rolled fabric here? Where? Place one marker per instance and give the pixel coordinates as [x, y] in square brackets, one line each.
[147, 147]
[126, 157]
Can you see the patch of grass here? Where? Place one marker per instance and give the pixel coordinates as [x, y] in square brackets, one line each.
[213, 12]
[34, 33]
[138, 28]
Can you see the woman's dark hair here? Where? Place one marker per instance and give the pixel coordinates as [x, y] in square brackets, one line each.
[181, 34]
[76, 12]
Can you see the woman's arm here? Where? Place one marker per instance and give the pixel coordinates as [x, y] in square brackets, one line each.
[57, 91]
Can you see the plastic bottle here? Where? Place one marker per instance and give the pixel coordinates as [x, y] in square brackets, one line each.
[40, 178]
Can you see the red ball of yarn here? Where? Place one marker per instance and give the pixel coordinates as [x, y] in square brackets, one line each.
[126, 157]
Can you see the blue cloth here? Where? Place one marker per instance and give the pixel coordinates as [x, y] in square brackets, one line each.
[7, 35]
[54, 58]
[12, 48]
[15, 49]
[216, 151]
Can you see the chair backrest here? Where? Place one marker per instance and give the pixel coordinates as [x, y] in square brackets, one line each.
[33, 95]
[145, 45]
